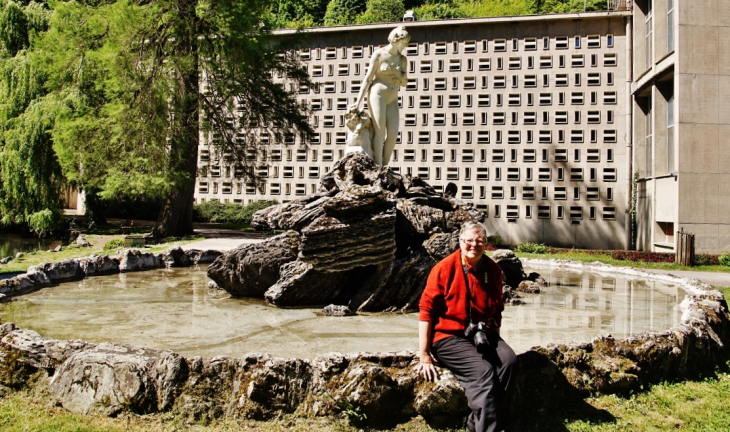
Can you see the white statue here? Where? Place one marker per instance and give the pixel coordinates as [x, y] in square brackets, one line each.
[385, 75]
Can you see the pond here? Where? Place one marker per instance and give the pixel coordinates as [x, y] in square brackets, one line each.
[174, 309]
[11, 244]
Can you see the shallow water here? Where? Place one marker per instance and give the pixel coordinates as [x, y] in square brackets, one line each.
[10, 244]
[174, 309]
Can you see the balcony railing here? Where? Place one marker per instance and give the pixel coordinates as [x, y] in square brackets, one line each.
[619, 4]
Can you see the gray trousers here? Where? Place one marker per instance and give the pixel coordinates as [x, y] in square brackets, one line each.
[485, 377]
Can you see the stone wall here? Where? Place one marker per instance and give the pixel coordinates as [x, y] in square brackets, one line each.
[111, 378]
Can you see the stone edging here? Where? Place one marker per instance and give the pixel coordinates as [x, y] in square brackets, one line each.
[109, 378]
[127, 260]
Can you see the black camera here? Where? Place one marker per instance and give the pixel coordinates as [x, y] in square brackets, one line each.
[477, 332]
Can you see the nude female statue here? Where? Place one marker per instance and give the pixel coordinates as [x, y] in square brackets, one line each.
[385, 75]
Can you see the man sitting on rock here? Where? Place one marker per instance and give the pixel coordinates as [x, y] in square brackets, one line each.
[460, 318]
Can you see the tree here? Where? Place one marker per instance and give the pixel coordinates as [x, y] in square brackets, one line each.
[31, 181]
[441, 10]
[378, 11]
[343, 12]
[129, 75]
[298, 13]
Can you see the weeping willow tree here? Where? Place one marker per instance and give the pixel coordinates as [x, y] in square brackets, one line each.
[128, 76]
[31, 181]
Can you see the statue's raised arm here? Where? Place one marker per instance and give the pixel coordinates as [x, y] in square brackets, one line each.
[386, 73]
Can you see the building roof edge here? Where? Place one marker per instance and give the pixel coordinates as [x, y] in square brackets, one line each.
[454, 21]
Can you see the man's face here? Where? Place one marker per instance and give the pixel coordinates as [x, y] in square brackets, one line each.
[472, 245]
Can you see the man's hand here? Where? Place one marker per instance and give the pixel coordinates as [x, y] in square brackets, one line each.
[426, 368]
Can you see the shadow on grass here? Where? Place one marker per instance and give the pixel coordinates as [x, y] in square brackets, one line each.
[543, 400]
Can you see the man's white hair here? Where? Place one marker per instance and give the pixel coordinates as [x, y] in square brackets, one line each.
[471, 226]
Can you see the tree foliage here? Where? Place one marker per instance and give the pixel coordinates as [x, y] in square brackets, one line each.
[31, 181]
[129, 77]
[342, 12]
[382, 11]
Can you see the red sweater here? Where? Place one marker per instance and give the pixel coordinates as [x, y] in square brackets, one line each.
[443, 301]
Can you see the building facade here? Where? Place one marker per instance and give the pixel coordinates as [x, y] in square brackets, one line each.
[681, 97]
[529, 116]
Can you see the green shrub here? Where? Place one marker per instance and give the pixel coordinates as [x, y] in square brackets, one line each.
[724, 259]
[217, 212]
[533, 248]
[113, 244]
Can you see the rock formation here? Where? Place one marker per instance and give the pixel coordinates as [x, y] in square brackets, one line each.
[367, 240]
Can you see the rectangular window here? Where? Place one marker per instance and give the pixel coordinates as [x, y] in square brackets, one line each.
[576, 174]
[594, 41]
[498, 155]
[544, 174]
[561, 42]
[482, 137]
[454, 65]
[609, 97]
[424, 101]
[609, 213]
[530, 118]
[561, 117]
[500, 45]
[497, 192]
[592, 194]
[576, 98]
[482, 173]
[530, 44]
[513, 137]
[513, 174]
[515, 63]
[560, 193]
[561, 80]
[514, 99]
[454, 101]
[500, 81]
[543, 212]
[498, 118]
[593, 155]
[454, 137]
[545, 137]
[546, 99]
[609, 174]
[609, 136]
[577, 61]
[546, 61]
[609, 59]
[576, 136]
[561, 155]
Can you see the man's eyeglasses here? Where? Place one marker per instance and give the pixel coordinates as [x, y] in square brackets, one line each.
[478, 242]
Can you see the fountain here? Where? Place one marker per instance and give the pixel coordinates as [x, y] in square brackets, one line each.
[366, 241]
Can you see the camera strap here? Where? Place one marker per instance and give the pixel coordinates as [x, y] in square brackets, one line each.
[465, 270]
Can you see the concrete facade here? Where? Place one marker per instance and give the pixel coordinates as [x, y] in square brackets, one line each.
[546, 123]
[682, 118]
[529, 117]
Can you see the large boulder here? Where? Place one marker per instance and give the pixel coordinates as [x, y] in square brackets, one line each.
[111, 378]
[251, 269]
[511, 267]
[368, 239]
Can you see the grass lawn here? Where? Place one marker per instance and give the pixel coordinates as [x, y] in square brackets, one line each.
[606, 259]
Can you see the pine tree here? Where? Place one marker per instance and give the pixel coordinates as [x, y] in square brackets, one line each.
[130, 77]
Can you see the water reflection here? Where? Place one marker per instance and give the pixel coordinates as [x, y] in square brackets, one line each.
[578, 306]
[174, 309]
[10, 244]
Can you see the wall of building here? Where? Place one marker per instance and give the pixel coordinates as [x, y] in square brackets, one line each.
[682, 119]
[528, 116]
[704, 122]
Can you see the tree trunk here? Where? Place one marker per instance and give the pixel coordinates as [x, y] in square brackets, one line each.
[176, 216]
